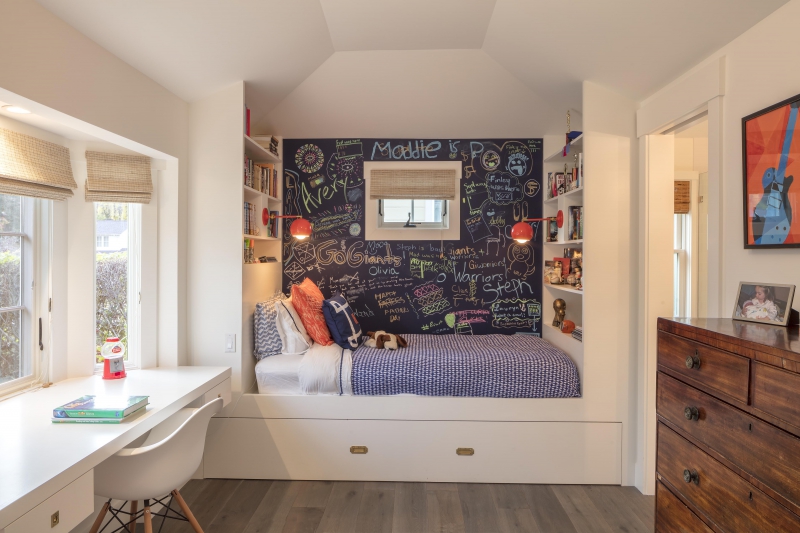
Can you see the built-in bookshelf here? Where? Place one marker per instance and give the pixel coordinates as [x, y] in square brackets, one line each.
[262, 176]
[570, 196]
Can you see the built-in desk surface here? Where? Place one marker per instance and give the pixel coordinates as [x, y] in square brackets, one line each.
[38, 457]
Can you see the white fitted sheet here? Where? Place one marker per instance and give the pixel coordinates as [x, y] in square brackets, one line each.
[321, 370]
[278, 374]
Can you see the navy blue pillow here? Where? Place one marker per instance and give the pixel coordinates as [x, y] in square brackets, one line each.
[345, 329]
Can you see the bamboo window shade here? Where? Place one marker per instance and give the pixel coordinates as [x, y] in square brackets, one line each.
[413, 184]
[682, 197]
[33, 167]
[118, 178]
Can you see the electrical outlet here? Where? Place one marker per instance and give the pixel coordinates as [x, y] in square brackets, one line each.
[230, 343]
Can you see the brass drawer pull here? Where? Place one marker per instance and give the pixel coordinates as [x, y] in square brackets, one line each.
[691, 476]
[465, 451]
[693, 361]
[358, 450]
[691, 413]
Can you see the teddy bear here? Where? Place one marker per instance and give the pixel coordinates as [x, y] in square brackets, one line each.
[383, 340]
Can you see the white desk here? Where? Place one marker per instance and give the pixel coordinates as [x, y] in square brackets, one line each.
[38, 458]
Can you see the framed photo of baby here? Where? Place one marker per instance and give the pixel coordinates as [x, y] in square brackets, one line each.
[764, 302]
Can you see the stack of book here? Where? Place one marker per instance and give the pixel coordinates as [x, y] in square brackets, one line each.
[268, 142]
[99, 409]
[577, 333]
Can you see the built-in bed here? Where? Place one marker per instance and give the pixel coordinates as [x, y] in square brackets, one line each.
[451, 408]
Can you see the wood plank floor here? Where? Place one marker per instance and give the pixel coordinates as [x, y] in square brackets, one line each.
[254, 506]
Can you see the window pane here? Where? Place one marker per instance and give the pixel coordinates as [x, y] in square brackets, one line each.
[111, 274]
[10, 213]
[11, 366]
[423, 211]
[10, 271]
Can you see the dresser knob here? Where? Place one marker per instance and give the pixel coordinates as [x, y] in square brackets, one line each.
[691, 413]
[693, 361]
[691, 476]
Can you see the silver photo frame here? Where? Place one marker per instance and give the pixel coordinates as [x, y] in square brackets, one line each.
[764, 303]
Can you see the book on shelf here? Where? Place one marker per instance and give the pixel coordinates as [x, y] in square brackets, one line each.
[99, 409]
[552, 231]
[268, 142]
[246, 120]
[261, 177]
[273, 231]
[575, 223]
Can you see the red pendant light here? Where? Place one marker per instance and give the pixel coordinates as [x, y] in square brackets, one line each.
[300, 228]
[522, 232]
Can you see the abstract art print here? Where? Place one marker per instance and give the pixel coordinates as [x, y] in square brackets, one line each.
[771, 160]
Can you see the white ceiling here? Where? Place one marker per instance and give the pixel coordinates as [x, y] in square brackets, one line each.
[407, 24]
[196, 47]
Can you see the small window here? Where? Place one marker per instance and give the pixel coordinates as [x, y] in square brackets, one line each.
[117, 279]
[16, 303]
[423, 214]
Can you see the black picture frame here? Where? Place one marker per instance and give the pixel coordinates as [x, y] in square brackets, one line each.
[745, 192]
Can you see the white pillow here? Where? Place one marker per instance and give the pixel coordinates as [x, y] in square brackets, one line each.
[292, 337]
[289, 305]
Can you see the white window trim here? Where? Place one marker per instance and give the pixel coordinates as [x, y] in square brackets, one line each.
[36, 242]
[134, 347]
[373, 230]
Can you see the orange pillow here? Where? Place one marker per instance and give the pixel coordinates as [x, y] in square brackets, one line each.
[307, 300]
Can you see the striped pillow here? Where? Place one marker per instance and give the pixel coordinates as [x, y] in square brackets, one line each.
[307, 300]
[267, 339]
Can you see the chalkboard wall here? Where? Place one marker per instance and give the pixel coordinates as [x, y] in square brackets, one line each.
[484, 283]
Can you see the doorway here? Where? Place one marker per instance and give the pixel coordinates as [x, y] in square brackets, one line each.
[690, 218]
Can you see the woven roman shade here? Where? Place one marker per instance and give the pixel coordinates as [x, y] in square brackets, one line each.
[682, 197]
[33, 167]
[118, 178]
[411, 184]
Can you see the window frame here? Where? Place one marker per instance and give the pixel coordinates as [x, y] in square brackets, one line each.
[34, 237]
[133, 350]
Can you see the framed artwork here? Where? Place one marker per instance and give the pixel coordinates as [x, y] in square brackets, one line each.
[766, 303]
[771, 160]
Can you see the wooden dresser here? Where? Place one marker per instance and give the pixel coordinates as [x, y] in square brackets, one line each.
[728, 445]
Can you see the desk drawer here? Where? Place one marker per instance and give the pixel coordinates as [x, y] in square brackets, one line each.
[761, 449]
[777, 392]
[705, 366]
[223, 390]
[73, 504]
[724, 497]
[672, 516]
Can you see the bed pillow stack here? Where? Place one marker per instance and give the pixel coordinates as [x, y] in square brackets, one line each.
[267, 339]
[308, 299]
[342, 322]
[293, 334]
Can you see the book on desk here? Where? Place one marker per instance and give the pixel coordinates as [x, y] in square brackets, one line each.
[92, 409]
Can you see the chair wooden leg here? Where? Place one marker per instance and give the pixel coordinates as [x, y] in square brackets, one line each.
[99, 520]
[132, 523]
[186, 512]
[148, 520]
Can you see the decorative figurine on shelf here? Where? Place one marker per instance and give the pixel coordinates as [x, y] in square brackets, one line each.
[568, 326]
[560, 307]
[555, 275]
[572, 280]
[578, 277]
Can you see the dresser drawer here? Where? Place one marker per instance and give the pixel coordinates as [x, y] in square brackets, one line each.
[672, 516]
[777, 392]
[705, 366]
[764, 451]
[724, 497]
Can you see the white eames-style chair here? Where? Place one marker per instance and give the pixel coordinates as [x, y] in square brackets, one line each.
[165, 461]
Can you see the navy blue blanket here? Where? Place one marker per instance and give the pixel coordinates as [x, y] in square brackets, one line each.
[495, 366]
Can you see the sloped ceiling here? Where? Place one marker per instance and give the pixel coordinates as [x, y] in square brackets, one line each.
[350, 66]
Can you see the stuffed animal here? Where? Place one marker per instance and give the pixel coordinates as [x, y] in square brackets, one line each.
[383, 340]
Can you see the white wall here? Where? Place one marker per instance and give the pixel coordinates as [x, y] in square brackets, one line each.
[55, 70]
[609, 300]
[759, 71]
